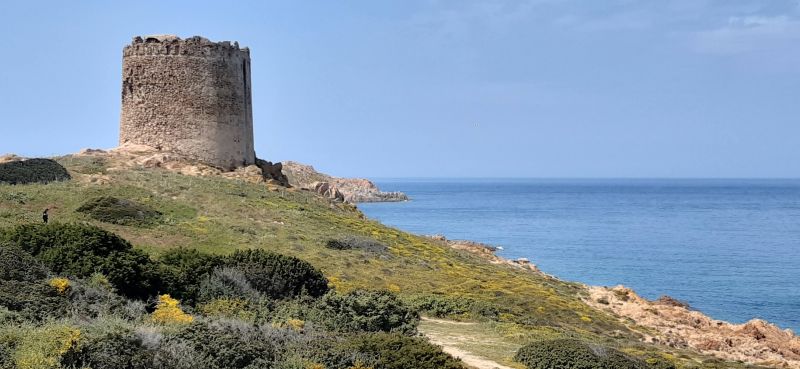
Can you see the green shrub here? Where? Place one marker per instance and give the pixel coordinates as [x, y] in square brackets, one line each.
[226, 282]
[35, 301]
[574, 354]
[88, 300]
[110, 348]
[357, 243]
[120, 211]
[365, 311]
[19, 265]
[81, 250]
[183, 270]
[395, 351]
[278, 276]
[32, 171]
[453, 306]
[230, 344]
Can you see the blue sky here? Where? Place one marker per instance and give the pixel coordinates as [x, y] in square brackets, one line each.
[534, 88]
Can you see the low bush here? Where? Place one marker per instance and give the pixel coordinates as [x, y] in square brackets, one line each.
[229, 308]
[357, 243]
[226, 282]
[168, 311]
[278, 276]
[230, 344]
[34, 301]
[574, 354]
[365, 311]
[19, 265]
[120, 211]
[111, 348]
[453, 307]
[94, 297]
[46, 346]
[81, 250]
[183, 270]
[32, 171]
[394, 351]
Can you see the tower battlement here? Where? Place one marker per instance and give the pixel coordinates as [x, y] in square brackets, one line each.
[174, 45]
[190, 96]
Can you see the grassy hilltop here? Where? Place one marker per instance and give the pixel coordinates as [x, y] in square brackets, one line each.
[158, 211]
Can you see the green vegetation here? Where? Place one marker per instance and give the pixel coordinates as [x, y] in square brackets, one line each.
[249, 261]
[357, 243]
[574, 354]
[81, 250]
[278, 276]
[32, 171]
[80, 321]
[120, 211]
[367, 311]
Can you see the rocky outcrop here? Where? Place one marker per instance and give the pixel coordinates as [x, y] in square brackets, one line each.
[353, 190]
[133, 155]
[486, 252]
[325, 189]
[673, 323]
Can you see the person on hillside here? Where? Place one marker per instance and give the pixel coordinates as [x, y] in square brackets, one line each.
[45, 216]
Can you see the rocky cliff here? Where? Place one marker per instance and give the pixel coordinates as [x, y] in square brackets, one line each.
[352, 190]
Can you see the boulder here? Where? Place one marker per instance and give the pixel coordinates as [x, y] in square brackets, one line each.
[327, 190]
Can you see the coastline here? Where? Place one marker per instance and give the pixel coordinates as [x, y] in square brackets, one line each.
[660, 322]
[669, 322]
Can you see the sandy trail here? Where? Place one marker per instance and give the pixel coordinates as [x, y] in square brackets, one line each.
[449, 345]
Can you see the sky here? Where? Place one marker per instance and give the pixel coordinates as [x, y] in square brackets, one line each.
[424, 88]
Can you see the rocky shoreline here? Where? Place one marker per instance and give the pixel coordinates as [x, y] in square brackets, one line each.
[351, 190]
[673, 323]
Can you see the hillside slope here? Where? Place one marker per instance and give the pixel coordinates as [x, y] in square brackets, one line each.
[219, 215]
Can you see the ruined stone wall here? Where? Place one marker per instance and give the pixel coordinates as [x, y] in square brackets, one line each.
[188, 96]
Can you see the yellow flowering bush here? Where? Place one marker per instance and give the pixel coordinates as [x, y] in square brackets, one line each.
[43, 347]
[60, 284]
[168, 312]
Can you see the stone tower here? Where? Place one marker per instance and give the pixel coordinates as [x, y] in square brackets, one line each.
[190, 97]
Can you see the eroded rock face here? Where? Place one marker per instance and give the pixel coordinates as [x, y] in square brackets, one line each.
[325, 189]
[190, 97]
[676, 325]
[354, 190]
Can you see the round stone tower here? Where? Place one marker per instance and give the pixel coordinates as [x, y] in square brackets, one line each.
[190, 97]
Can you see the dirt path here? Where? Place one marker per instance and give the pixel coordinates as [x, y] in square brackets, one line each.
[450, 341]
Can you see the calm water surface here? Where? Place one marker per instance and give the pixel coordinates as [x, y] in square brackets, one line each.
[731, 248]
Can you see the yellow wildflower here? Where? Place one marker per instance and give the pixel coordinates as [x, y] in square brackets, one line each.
[167, 312]
[60, 284]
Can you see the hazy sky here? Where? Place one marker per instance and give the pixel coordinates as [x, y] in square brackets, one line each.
[536, 88]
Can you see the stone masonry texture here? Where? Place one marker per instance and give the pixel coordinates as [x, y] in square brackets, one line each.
[190, 97]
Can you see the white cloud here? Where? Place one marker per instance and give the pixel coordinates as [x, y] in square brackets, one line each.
[744, 34]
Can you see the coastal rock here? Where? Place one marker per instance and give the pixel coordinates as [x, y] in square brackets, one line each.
[326, 190]
[676, 325]
[486, 252]
[354, 190]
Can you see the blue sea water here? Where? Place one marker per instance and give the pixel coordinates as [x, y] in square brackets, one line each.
[730, 248]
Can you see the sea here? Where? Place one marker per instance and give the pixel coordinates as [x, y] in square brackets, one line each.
[728, 247]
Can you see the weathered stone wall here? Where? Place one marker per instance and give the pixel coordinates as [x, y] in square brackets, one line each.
[188, 96]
